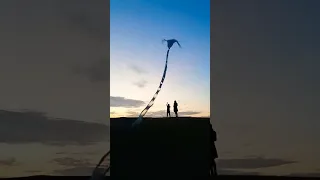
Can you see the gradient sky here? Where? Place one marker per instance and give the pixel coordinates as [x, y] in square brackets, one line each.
[137, 56]
[265, 81]
[54, 63]
[53, 49]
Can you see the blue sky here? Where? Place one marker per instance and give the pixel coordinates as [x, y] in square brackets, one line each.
[138, 56]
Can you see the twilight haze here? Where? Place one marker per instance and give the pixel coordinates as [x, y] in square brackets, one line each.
[137, 56]
[265, 85]
[51, 52]
[54, 63]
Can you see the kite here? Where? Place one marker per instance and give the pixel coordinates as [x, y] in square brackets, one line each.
[98, 173]
[170, 43]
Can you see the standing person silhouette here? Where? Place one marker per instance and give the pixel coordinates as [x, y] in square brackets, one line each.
[168, 110]
[175, 107]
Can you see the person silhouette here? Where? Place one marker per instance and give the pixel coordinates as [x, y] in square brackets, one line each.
[214, 153]
[168, 110]
[175, 107]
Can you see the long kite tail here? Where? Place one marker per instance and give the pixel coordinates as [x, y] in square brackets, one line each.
[97, 174]
[145, 110]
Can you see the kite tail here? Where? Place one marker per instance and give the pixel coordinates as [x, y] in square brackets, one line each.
[97, 174]
[145, 110]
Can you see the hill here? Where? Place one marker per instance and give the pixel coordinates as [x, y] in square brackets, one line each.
[161, 146]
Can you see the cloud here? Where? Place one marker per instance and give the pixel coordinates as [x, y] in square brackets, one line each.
[137, 69]
[8, 162]
[313, 174]
[162, 113]
[95, 72]
[234, 172]
[88, 18]
[188, 113]
[43, 42]
[116, 101]
[67, 161]
[75, 167]
[78, 16]
[75, 153]
[36, 172]
[141, 83]
[35, 127]
[75, 171]
[132, 114]
[251, 163]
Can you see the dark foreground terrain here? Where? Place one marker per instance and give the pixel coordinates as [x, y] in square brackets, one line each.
[219, 177]
[160, 146]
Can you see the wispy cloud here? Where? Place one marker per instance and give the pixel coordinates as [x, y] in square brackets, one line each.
[9, 162]
[41, 129]
[162, 113]
[117, 101]
[137, 69]
[75, 171]
[141, 83]
[35, 172]
[67, 161]
[86, 17]
[74, 167]
[251, 163]
[96, 71]
[312, 174]
[235, 172]
[132, 113]
[188, 113]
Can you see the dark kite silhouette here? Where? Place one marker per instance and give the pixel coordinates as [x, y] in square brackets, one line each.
[170, 43]
[98, 175]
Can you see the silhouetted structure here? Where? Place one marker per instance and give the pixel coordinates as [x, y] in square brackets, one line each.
[160, 147]
[168, 110]
[175, 107]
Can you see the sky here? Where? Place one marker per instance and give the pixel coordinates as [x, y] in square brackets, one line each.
[264, 85]
[265, 81]
[52, 49]
[137, 56]
[54, 78]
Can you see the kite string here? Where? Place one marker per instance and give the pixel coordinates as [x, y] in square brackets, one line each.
[150, 104]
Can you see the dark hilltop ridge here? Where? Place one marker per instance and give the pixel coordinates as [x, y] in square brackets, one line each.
[108, 177]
